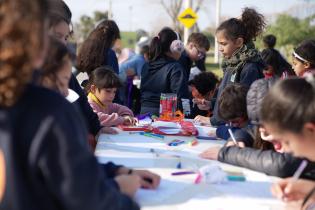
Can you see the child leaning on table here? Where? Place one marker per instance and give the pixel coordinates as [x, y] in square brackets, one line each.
[101, 88]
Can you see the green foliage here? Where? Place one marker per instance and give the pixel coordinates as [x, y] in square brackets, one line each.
[128, 39]
[290, 30]
[87, 23]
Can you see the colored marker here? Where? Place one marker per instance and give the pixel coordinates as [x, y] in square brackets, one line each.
[176, 142]
[193, 142]
[236, 178]
[299, 171]
[232, 136]
[182, 173]
[198, 179]
[153, 135]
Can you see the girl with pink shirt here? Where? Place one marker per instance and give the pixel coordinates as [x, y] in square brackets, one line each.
[101, 88]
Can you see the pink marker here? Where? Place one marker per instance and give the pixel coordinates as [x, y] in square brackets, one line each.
[198, 179]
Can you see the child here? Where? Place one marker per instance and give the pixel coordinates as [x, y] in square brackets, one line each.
[101, 89]
[56, 71]
[232, 109]
[195, 50]
[288, 114]
[264, 156]
[48, 164]
[96, 50]
[129, 71]
[276, 64]
[242, 62]
[163, 74]
[203, 86]
[60, 18]
[304, 58]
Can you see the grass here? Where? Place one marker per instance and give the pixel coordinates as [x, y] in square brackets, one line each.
[128, 39]
[213, 67]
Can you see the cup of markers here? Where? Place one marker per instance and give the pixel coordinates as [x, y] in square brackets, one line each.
[168, 105]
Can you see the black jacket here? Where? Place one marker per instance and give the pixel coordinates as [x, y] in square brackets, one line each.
[91, 119]
[267, 161]
[164, 75]
[48, 163]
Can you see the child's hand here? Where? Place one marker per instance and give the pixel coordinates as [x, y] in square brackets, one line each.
[231, 144]
[211, 153]
[128, 120]
[202, 120]
[290, 190]
[149, 180]
[128, 184]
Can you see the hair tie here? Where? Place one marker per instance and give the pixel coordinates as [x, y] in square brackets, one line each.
[299, 57]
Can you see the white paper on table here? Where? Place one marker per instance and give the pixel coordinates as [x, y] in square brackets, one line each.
[246, 189]
[170, 131]
[217, 202]
[165, 124]
[166, 190]
[205, 130]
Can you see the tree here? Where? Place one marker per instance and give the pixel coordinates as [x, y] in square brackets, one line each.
[173, 9]
[87, 23]
[290, 30]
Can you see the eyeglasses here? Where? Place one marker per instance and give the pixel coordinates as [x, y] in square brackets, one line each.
[201, 54]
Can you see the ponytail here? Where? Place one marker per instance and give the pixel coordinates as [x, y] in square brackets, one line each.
[253, 22]
[161, 44]
[248, 27]
[155, 49]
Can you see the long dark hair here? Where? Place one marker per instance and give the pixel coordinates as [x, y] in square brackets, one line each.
[248, 27]
[161, 43]
[93, 52]
[290, 104]
[103, 77]
[58, 56]
[273, 58]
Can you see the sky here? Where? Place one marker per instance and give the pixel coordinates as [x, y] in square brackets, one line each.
[149, 15]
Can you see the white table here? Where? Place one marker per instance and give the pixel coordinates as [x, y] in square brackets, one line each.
[179, 192]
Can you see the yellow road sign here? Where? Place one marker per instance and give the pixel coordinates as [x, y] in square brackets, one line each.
[188, 18]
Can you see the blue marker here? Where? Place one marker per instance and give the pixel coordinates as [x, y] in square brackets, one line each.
[176, 142]
[236, 178]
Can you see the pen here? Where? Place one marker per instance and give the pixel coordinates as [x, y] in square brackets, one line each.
[232, 136]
